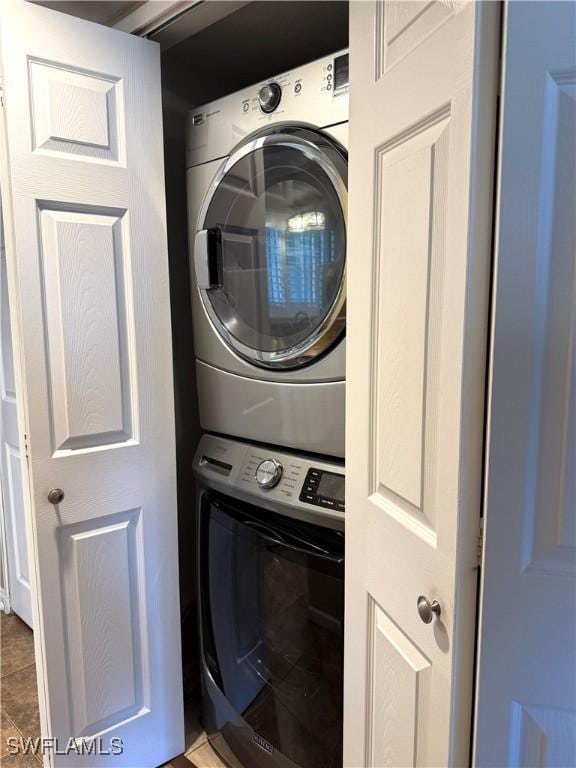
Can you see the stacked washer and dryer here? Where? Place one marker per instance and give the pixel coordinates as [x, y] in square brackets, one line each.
[267, 199]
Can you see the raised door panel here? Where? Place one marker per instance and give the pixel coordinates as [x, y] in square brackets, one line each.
[11, 458]
[7, 383]
[409, 261]
[550, 534]
[542, 737]
[107, 663]
[402, 26]
[16, 530]
[400, 676]
[76, 113]
[86, 300]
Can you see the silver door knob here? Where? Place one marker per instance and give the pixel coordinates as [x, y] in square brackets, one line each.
[427, 608]
[56, 496]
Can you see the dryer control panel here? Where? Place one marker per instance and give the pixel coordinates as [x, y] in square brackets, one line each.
[284, 482]
[316, 93]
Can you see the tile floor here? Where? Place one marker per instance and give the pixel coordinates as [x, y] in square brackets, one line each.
[19, 704]
[198, 749]
[18, 696]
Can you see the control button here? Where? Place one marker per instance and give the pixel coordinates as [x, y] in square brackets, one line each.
[329, 77]
[327, 503]
[310, 488]
[329, 67]
[297, 87]
[268, 473]
[245, 107]
[269, 97]
[314, 473]
[329, 87]
[308, 497]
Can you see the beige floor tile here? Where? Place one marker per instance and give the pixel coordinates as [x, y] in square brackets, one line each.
[205, 757]
[198, 741]
[20, 700]
[180, 762]
[16, 644]
[7, 731]
[19, 761]
[194, 734]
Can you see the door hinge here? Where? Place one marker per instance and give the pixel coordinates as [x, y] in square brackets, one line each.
[480, 543]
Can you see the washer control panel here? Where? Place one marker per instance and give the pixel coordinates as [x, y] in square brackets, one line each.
[268, 473]
[269, 97]
[278, 476]
[325, 489]
[279, 480]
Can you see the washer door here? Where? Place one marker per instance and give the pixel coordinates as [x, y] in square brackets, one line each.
[270, 253]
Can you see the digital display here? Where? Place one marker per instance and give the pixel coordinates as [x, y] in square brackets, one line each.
[341, 71]
[331, 486]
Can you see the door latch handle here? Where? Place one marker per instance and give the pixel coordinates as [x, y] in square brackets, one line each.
[208, 258]
[56, 496]
[427, 609]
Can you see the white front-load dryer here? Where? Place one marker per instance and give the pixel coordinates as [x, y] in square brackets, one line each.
[267, 201]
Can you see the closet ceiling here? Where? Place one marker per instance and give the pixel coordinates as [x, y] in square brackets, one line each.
[101, 12]
[262, 38]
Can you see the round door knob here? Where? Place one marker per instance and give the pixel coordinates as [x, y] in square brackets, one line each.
[268, 473]
[56, 496]
[427, 608]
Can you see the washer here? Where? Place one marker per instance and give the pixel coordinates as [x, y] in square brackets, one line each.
[271, 604]
[267, 201]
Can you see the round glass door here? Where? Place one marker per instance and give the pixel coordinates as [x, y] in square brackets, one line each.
[279, 210]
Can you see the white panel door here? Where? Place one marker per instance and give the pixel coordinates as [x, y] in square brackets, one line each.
[526, 708]
[422, 114]
[90, 275]
[11, 458]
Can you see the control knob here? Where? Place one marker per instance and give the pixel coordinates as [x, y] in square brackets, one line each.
[268, 473]
[269, 97]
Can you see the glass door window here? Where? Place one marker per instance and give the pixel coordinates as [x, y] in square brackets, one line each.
[280, 213]
[273, 627]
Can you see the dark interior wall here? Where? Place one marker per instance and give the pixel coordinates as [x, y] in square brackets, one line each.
[185, 399]
[264, 38]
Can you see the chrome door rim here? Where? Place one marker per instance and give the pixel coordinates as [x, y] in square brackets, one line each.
[332, 326]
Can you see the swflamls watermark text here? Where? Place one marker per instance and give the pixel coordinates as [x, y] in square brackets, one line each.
[40, 746]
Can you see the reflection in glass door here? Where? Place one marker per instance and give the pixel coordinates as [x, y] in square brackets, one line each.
[273, 626]
[280, 213]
